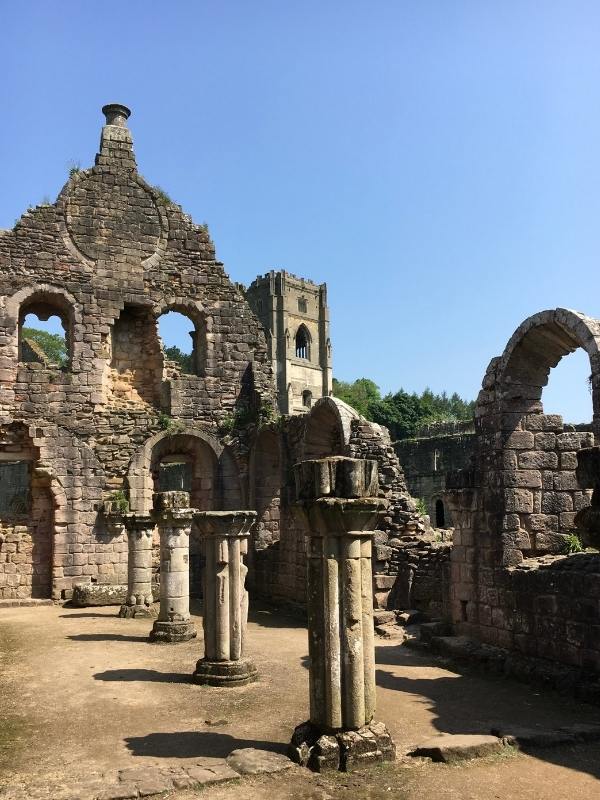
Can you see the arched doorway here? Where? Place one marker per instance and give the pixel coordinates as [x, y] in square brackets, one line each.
[27, 523]
[440, 514]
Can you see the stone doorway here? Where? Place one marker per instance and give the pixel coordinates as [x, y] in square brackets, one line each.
[26, 520]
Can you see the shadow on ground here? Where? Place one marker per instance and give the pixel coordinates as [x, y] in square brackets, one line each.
[195, 744]
[473, 703]
[151, 675]
[269, 618]
[83, 615]
[106, 637]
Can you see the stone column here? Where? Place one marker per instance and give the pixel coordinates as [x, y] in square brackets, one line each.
[174, 518]
[339, 506]
[225, 536]
[140, 530]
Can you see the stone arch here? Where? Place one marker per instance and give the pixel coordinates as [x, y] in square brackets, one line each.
[202, 356]
[45, 300]
[519, 376]
[186, 440]
[328, 428]
[526, 459]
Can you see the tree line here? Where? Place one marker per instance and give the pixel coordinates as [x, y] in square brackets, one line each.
[403, 413]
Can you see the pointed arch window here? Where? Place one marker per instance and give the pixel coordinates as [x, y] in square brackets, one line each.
[303, 343]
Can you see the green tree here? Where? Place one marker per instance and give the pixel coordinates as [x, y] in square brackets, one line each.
[401, 412]
[362, 395]
[53, 344]
[183, 359]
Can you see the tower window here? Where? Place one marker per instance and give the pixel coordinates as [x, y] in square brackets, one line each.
[307, 398]
[302, 343]
[302, 305]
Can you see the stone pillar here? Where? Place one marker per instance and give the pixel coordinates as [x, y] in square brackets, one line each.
[174, 518]
[140, 530]
[225, 536]
[339, 506]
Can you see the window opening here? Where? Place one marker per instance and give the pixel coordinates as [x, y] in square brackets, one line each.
[15, 494]
[43, 338]
[175, 474]
[183, 342]
[302, 343]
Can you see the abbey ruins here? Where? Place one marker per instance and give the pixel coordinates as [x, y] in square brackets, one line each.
[126, 480]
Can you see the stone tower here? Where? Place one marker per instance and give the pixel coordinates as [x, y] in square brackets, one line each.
[295, 316]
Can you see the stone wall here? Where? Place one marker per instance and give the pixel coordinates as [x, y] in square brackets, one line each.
[511, 584]
[427, 458]
[278, 562]
[109, 258]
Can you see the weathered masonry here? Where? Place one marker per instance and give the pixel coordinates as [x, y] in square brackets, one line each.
[528, 490]
[428, 457]
[84, 438]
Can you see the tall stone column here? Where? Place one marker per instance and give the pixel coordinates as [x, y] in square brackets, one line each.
[174, 518]
[340, 509]
[140, 530]
[225, 537]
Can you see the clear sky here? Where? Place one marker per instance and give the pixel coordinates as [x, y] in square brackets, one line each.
[436, 163]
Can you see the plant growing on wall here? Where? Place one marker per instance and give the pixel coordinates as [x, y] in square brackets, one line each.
[572, 544]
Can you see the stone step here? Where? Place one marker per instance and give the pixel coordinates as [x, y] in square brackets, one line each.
[25, 602]
[452, 747]
[434, 628]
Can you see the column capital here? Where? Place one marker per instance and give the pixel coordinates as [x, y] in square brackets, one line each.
[338, 516]
[138, 522]
[173, 509]
[225, 523]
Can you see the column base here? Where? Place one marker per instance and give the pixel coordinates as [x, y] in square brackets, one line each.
[225, 673]
[130, 612]
[172, 632]
[341, 750]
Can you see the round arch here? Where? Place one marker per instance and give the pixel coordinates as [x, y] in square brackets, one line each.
[520, 374]
[140, 477]
[202, 322]
[328, 428]
[44, 299]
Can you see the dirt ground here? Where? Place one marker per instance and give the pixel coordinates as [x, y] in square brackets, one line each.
[82, 691]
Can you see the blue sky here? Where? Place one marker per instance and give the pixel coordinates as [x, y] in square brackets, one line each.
[436, 163]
